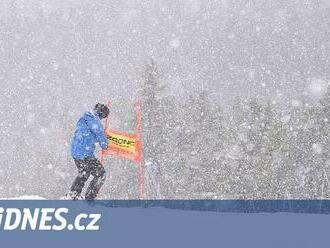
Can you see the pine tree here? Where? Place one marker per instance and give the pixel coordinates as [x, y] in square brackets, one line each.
[152, 135]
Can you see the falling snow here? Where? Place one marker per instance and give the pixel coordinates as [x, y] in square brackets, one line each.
[235, 95]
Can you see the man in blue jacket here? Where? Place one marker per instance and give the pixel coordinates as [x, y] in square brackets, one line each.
[89, 131]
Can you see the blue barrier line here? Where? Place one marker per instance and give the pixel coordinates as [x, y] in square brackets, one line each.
[230, 206]
[233, 206]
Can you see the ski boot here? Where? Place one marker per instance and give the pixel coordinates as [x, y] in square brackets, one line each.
[72, 196]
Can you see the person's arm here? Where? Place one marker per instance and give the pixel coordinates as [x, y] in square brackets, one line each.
[98, 130]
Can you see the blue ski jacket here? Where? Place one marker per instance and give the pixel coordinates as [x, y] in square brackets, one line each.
[89, 130]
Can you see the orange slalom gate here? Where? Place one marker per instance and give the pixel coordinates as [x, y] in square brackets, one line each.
[127, 146]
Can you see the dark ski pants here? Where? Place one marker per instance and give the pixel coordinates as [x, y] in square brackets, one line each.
[86, 167]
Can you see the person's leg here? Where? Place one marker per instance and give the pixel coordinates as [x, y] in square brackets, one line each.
[98, 172]
[83, 175]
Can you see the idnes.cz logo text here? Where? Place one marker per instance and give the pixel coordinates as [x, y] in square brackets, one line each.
[46, 219]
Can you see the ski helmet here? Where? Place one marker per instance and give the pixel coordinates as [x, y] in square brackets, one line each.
[101, 110]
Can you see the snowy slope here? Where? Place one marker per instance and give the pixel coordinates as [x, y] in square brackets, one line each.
[25, 197]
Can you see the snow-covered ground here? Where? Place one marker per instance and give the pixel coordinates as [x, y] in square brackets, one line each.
[25, 197]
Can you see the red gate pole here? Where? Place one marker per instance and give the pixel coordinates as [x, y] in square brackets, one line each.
[140, 172]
